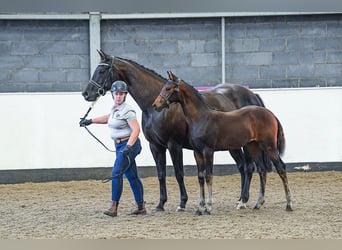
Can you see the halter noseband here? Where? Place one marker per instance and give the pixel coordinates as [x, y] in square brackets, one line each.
[100, 89]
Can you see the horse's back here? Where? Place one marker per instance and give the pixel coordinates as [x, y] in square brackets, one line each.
[218, 101]
[260, 117]
[239, 95]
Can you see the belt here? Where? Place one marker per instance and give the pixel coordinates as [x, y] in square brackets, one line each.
[119, 140]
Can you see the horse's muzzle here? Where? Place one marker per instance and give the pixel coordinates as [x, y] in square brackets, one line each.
[88, 97]
[159, 106]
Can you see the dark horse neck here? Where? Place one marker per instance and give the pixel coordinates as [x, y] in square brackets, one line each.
[193, 104]
[143, 84]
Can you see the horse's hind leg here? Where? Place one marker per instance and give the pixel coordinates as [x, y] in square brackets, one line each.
[248, 174]
[177, 160]
[240, 163]
[264, 165]
[263, 176]
[281, 170]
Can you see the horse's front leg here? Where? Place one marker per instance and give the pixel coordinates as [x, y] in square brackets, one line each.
[159, 156]
[201, 203]
[201, 174]
[208, 162]
[209, 181]
[177, 160]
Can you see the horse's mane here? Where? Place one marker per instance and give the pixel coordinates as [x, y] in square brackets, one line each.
[143, 67]
[199, 95]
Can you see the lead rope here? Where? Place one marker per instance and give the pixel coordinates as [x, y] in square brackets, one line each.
[128, 158]
[85, 116]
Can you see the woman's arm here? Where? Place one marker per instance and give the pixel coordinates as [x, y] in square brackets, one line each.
[135, 132]
[100, 119]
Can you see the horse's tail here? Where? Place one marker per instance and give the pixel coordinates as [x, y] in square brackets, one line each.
[265, 158]
[280, 139]
[260, 100]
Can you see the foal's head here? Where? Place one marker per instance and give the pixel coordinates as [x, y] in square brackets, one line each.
[168, 95]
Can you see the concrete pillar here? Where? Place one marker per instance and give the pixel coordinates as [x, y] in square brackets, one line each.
[94, 39]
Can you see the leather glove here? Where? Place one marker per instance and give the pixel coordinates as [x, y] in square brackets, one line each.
[127, 151]
[85, 122]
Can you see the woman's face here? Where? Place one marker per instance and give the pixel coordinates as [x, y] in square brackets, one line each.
[118, 97]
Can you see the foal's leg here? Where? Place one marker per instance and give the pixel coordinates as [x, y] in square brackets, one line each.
[263, 176]
[177, 160]
[201, 173]
[208, 162]
[281, 170]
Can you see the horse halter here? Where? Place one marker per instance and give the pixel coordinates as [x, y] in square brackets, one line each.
[167, 97]
[100, 88]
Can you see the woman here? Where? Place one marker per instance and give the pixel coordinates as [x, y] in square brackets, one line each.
[125, 129]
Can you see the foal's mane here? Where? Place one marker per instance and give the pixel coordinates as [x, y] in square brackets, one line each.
[199, 95]
[143, 67]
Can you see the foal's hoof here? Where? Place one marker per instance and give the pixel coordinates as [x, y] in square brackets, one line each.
[200, 212]
[258, 205]
[207, 212]
[203, 212]
[180, 209]
[158, 209]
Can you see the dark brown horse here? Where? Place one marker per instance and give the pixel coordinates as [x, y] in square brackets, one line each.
[144, 85]
[254, 128]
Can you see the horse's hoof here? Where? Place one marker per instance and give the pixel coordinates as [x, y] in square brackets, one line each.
[158, 209]
[207, 212]
[237, 203]
[198, 212]
[241, 205]
[289, 208]
[258, 205]
[180, 209]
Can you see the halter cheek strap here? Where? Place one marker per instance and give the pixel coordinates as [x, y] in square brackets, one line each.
[100, 89]
[165, 98]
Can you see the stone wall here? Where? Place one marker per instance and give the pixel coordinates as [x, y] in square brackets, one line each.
[260, 52]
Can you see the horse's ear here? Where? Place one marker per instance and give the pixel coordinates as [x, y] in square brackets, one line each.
[169, 75]
[172, 76]
[102, 54]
